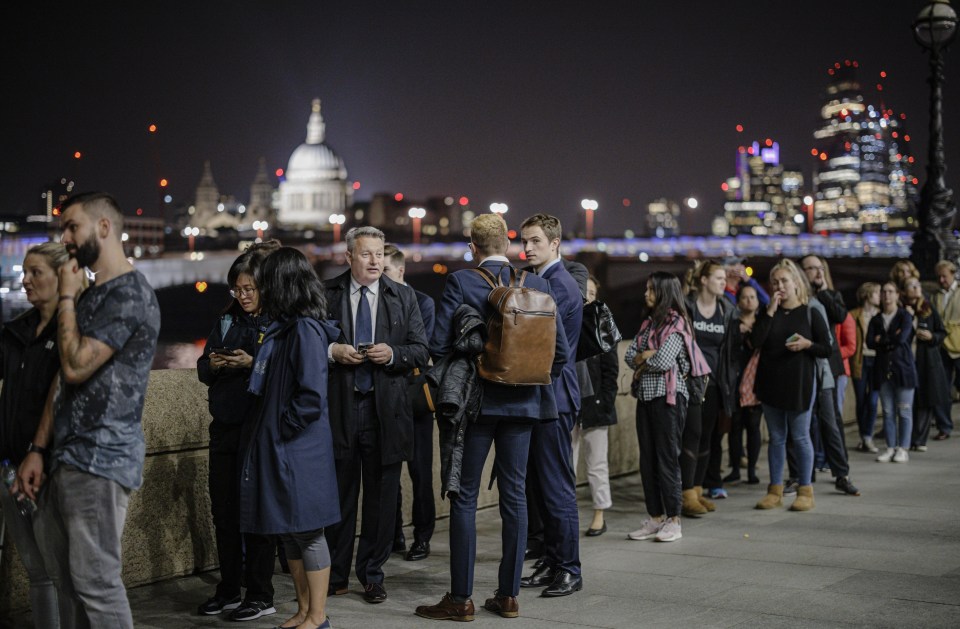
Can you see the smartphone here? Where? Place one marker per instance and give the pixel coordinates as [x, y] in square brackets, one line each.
[223, 351]
[793, 337]
[363, 347]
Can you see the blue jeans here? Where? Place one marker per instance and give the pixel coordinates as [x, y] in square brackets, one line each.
[798, 422]
[867, 397]
[897, 402]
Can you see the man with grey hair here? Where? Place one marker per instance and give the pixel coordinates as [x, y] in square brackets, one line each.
[381, 341]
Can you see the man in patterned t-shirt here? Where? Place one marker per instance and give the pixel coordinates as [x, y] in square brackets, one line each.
[90, 430]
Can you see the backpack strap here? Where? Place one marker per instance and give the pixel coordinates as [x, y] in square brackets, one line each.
[515, 279]
[489, 277]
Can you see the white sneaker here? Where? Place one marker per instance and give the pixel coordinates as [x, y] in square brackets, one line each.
[670, 531]
[648, 529]
[868, 445]
[921, 448]
[887, 455]
[901, 456]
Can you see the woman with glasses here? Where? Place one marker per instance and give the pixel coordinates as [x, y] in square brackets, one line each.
[225, 368]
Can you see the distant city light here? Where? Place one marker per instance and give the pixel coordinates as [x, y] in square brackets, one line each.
[416, 212]
[724, 186]
[498, 208]
[798, 219]
[139, 211]
[883, 74]
[201, 286]
[739, 128]
[77, 155]
[692, 203]
[589, 204]
[152, 128]
[356, 185]
[808, 200]
[278, 172]
[644, 256]
[398, 197]
[464, 201]
[626, 202]
[814, 152]
[164, 183]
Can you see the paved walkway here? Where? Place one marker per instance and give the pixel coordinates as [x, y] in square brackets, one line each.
[890, 558]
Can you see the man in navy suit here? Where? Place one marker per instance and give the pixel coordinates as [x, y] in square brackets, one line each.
[551, 475]
[381, 342]
[506, 419]
[420, 466]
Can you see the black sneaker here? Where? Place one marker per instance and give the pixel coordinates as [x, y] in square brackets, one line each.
[790, 487]
[843, 484]
[251, 610]
[216, 604]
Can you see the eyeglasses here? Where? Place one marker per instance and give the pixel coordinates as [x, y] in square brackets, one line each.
[237, 293]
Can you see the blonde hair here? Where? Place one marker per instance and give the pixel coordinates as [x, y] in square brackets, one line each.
[488, 233]
[55, 255]
[790, 267]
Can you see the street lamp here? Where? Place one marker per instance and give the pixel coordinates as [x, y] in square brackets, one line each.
[260, 226]
[191, 233]
[417, 214]
[337, 220]
[590, 206]
[934, 29]
[499, 208]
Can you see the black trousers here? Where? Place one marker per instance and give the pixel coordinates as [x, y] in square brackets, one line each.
[828, 422]
[659, 430]
[420, 468]
[745, 419]
[697, 433]
[380, 486]
[244, 557]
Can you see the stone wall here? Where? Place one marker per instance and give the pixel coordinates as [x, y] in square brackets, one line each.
[169, 530]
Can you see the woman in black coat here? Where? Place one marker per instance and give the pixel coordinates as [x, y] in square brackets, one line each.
[288, 484]
[933, 387]
[597, 413]
[895, 374]
[225, 368]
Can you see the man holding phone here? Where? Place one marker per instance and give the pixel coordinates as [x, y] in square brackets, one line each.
[382, 340]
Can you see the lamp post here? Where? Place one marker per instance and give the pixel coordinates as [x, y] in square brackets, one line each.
[260, 226]
[934, 29]
[499, 208]
[417, 214]
[191, 233]
[337, 220]
[590, 206]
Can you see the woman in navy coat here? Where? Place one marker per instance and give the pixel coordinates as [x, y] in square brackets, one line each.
[288, 482]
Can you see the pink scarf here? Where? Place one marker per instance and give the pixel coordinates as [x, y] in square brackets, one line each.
[675, 324]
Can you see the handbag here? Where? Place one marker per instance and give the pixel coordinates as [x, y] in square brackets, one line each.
[598, 331]
[420, 393]
[747, 395]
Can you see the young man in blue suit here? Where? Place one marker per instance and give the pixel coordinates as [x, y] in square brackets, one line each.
[552, 477]
[507, 417]
[420, 466]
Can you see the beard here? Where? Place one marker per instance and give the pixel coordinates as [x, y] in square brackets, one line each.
[87, 253]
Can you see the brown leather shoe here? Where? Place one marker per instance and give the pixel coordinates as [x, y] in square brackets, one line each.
[448, 609]
[505, 606]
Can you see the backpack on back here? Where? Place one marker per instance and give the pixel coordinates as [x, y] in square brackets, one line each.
[521, 332]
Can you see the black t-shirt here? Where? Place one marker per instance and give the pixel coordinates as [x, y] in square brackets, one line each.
[709, 335]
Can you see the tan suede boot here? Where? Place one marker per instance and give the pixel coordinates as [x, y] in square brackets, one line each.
[804, 500]
[691, 507]
[774, 497]
[706, 502]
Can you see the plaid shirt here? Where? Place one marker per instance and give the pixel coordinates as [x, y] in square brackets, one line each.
[653, 383]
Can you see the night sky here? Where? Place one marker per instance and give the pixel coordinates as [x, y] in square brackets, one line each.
[533, 104]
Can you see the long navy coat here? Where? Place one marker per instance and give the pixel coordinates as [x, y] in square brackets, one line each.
[288, 481]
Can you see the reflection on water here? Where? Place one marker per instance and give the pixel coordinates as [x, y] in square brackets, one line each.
[174, 355]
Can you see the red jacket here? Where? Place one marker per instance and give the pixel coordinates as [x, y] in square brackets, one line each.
[846, 334]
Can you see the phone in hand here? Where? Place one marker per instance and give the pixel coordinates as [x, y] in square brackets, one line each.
[223, 351]
[363, 347]
[793, 338]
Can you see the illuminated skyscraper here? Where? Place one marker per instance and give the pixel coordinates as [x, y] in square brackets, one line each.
[764, 197]
[862, 179]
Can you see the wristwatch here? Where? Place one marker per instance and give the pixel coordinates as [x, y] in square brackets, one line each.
[32, 447]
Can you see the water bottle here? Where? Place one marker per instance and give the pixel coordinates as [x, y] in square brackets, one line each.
[8, 473]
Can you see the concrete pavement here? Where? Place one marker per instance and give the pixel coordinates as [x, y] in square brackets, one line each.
[889, 558]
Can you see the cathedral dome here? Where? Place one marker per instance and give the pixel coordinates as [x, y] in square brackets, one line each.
[314, 159]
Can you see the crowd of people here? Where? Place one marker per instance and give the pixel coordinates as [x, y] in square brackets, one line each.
[319, 391]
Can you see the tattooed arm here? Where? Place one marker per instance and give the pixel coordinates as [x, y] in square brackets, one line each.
[80, 356]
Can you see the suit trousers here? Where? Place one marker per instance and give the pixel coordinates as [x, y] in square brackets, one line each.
[551, 457]
[512, 446]
[420, 468]
[380, 486]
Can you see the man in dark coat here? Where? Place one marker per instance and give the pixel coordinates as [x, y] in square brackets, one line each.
[420, 466]
[507, 417]
[382, 340]
[552, 475]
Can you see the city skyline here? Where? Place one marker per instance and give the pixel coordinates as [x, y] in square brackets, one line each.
[499, 103]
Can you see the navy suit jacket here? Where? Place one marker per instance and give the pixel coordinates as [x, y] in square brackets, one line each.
[570, 310]
[499, 400]
[428, 312]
